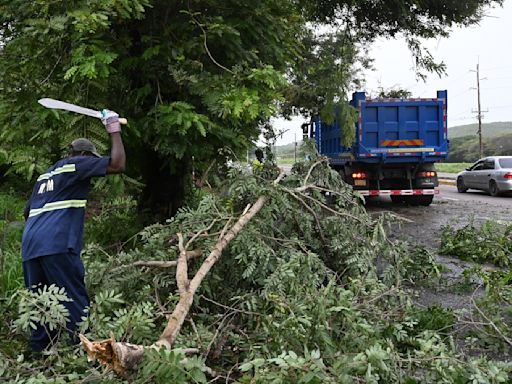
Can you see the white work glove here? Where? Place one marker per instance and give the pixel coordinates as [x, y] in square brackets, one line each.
[111, 121]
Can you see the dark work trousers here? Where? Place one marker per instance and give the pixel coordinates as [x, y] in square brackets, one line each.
[65, 270]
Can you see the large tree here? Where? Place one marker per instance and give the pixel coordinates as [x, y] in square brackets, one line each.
[196, 79]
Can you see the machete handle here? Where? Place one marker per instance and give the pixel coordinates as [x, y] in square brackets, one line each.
[123, 121]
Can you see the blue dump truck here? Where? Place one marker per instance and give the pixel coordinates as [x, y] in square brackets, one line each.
[396, 145]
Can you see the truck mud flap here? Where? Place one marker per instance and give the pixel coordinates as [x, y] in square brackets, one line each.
[399, 192]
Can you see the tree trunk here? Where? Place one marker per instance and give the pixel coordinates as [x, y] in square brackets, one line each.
[124, 356]
[165, 186]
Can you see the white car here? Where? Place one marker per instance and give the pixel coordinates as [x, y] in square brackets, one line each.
[492, 174]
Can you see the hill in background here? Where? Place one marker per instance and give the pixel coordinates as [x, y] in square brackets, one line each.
[488, 129]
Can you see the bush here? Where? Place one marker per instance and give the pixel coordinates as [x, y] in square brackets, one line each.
[11, 229]
[112, 221]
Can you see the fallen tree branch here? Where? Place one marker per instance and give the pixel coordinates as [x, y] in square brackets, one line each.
[121, 356]
[333, 211]
[158, 263]
[182, 269]
[490, 322]
[313, 213]
[311, 170]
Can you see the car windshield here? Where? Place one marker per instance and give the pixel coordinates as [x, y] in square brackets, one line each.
[506, 163]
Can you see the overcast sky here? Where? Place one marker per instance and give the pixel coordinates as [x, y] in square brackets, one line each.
[489, 43]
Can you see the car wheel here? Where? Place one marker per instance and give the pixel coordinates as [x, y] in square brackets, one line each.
[493, 188]
[461, 187]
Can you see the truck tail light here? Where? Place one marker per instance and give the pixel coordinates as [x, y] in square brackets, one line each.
[359, 175]
[426, 174]
[508, 175]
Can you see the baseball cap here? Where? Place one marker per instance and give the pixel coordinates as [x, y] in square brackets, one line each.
[82, 144]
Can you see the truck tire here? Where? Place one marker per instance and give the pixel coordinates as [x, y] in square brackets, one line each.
[424, 200]
[397, 199]
[461, 187]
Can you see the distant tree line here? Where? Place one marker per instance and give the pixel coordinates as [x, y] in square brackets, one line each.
[466, 149]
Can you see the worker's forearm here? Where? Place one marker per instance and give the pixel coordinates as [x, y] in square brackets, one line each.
[117, 154]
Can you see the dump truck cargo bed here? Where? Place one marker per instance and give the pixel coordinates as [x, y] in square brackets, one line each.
[389, 131]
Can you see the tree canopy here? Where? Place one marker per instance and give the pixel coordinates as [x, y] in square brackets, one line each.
[197, 79]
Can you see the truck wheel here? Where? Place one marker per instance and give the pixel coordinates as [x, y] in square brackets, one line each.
[424, 200]
[493, 188]
[461, 187]
[397, 199]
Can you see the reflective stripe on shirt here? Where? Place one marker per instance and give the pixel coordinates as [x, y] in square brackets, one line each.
[56, 171]
[58, 205]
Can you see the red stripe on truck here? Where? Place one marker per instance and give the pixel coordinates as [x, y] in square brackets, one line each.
[400, 192]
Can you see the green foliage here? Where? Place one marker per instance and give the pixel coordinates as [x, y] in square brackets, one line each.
[420, 265]
[163, 366]
[42, 307]
[394, 93]
[452, 167]
[11, 228]
[192, 77]
[489, 243]
[490, 130]
[112, 221]
[295, 297]
[492, 302]
[10, 270]
[434, 318]
[288, 367]
[467, 148]
[348, 117]
[110, 314]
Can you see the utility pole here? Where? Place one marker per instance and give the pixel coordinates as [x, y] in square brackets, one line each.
[295, 151]
[479, 111]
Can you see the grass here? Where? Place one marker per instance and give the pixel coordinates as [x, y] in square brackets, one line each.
[452, 167]
[11, 273]
[286, 161]
[11, 228]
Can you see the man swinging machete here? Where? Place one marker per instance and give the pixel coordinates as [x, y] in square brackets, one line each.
[55, 214]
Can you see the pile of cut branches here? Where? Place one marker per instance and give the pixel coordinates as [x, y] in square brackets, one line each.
[265, 280]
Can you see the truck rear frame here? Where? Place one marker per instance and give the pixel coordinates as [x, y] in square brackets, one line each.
[397, 143]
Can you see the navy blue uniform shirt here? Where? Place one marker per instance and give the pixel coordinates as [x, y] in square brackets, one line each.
[57, 207]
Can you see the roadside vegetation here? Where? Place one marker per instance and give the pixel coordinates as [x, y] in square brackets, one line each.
[452, 167]
[467, 148]
[11, 228]
[489, 243]
[489, 130]
[200, 271]
[289, 300]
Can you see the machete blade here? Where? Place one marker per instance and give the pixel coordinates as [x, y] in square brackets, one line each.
[57, 104]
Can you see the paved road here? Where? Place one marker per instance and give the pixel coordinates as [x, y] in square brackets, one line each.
[449, 193]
